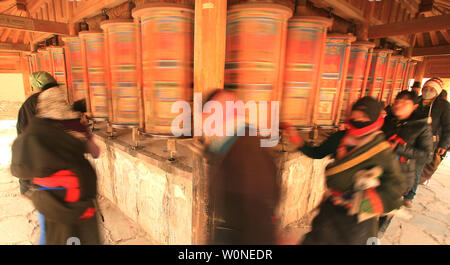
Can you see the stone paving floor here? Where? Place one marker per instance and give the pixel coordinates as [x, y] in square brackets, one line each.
[427, 222]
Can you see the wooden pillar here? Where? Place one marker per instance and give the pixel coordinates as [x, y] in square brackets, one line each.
[25, 66]
[362, 33]
[209, 69]
[209, 45]
[420, 70]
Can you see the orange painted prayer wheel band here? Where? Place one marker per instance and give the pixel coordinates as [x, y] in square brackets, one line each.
[44, 58]
[304, 56]
[75, 69]
[120, 44]
[59, 67]
[334, 73]
[167, 32]
[389, 83]
[255, 53]
[359, 58]
[93, 49]
[377, 73]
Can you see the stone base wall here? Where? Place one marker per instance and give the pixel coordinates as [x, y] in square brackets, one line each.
[159, 201]
[159, 197]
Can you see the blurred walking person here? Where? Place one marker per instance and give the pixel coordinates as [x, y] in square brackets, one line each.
[412, 142]
[51, 153]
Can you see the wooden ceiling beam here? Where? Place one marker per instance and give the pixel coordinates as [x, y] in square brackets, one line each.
[429, 51]
[409, 27]
[446, 35]
[434, 39]
[34, 25]
[14, 46]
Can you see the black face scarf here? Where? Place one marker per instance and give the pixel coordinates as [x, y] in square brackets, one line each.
[360, 124]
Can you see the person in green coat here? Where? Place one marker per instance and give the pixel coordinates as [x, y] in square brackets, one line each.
[363, 182]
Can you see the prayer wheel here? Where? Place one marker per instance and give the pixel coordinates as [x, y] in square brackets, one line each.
[75, 69]
[93, 52]
[255, 52]
[377, 73]
[334, 73]
[35, 61]
[167, 59]
[391, 71]
[398, 79]
[121, 39]
[44, 58]
[59, 66]
[358, 70]
[410, 68]
[305, 51]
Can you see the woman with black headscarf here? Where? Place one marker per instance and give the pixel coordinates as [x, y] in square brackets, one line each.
[363, 182]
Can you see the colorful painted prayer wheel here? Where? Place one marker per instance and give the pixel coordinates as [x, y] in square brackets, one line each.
[75, 69]
[35, 60]
[167, 32]
[358, 70]
[386, 91]
[44, 58]
[255, 52]
[93, 52]
[334, 73]
[377, 73]
[121, 37]
[410, 68]
[398, 79]
[306, 42]
[59, 66]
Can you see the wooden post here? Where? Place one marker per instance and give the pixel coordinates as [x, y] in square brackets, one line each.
[86, 77]
[209, 69]
[209, 45]
[420, 70]
[25, 66]
[362, 33]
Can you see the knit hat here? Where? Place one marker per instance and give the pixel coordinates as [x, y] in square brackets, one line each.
[435, 83]
[42, 80]
[370, 106]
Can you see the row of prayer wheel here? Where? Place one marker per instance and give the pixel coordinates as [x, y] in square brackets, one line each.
[133, 71]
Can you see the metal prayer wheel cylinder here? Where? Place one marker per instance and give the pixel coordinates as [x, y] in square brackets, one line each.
[410, 68]
[357, 72]
[377, 73]
[401, 75]
[44, 58]
[391, 71]
[75, 69]
[167, 32]
[332, 83]
[93, 52]
[305, 52]
[122, 60]
[255, 53]
[59, 67]
[34, 62]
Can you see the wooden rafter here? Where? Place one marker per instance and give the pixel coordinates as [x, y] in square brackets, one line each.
[434, 39]
[14, 46]
[409, 27]
[429, 51]
[446, 35]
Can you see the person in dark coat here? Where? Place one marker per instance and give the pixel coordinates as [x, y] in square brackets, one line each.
[244, 190]
[411, 139]
[50, 152]
[363, 182]
[434, 107]
[40, 81]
